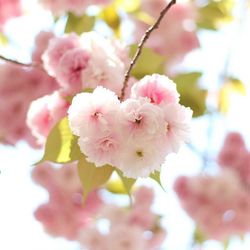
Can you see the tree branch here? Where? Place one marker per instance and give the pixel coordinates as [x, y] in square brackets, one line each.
[141, 44]
[33, 65]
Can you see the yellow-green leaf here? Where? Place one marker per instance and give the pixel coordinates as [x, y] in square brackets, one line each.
[79, 24]
[148, 63]
[3, 39]
[92, 177]
[61, 145]
[116, 186]
[144, 17]
[128, 5]
[128, 183]
[156, 176]
[232, 88]
[191, 95]
[111, 17]
[199, 236]
[215, 13]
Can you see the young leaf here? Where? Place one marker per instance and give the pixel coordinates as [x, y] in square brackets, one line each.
[79, 24]
[128, 183]
[61, 145]
[111, 17]
[191, 94]
[91, 176]
[156, 176]
[128, 5]
[232, 89]
[215, 13]
[148, 63]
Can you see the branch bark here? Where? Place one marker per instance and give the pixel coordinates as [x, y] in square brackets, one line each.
[28, 65]
[141, 45]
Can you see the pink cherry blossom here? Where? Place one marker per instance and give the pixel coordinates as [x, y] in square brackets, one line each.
[64, 215]
[16, 94]
[235, 156]
[8, 10]
[102, 148]
[158, 88]
[109, 74]
[44, 113]
[78, 7]
[41, 44]
[141, 119]
[70, 68]
[92, 239]
[144, 196]
[176, 35]
[126, 237]
[178, 119]
[93, 113]
[139, 158]
[57, 47]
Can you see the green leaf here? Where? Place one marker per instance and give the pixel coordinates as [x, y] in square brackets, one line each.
[148, 63]
[128, 183]
[215, 13]
[61, 145]
[91, 176]
[79, 24]
[156, 176]
[191, 94]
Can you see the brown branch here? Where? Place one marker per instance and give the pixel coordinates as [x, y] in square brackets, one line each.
[141, 44]
[27, 65]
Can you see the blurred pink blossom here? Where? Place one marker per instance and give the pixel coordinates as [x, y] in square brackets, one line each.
[8, 10]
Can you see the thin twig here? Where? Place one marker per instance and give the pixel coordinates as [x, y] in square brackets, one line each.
[141, 44]
[27, 65]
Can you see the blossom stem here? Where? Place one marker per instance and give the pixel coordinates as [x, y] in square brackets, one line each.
[27, 65]
[141, 45]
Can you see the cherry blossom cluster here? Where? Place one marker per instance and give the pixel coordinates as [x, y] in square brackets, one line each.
[225, 197]
[220, 205]
[64, 214]
[9, 9]
[78, 7]
[176, 35]
[18, 88]
[134, 135]
[235, 156]
[85, 62]
[127, 227]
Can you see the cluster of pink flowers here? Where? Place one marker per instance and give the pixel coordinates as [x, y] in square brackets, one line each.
[134, 135]
[127, 227]
[235, 156]
[64, 214]
[220, 204]
[176, 35]
[86, 62]
[9, 9]
[78, 7]
[18, 88]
